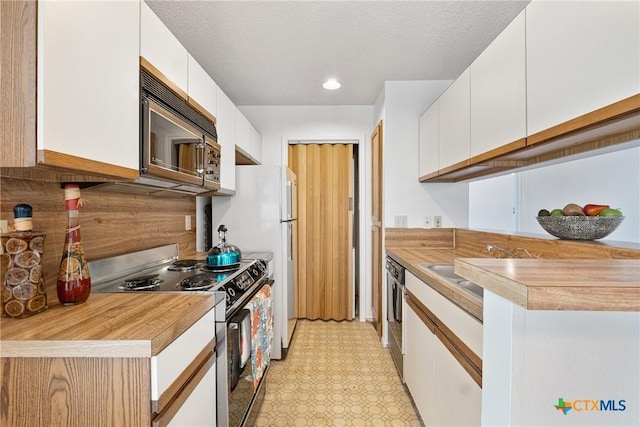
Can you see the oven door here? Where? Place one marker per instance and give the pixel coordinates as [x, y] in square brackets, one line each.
[395, 301]
[171, 147]
[239, 347]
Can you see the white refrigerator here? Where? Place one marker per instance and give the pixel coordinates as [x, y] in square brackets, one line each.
[261, 217]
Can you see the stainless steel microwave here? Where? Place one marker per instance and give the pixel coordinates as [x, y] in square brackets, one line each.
[177, 142]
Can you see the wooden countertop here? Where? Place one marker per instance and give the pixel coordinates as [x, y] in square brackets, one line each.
[559, 284]
[106, 325]
[411, 258]
[536, 284]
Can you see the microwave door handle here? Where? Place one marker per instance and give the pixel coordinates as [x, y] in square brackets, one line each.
[200, 157]
[144, 146]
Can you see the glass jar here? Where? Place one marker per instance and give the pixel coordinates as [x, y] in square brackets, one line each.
[23, 288]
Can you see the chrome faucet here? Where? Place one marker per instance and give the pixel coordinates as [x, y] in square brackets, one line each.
[492, 247]
[525, 251]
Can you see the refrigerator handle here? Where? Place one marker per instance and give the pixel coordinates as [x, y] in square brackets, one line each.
[289, 241]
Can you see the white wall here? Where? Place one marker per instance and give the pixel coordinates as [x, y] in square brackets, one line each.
[404, 103]
[306, 122]
[612, 178]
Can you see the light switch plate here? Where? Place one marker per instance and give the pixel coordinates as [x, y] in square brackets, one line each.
[187, 222]
[437, 221]
[428, 222]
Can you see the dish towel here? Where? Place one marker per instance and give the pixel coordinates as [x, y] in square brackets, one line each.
[261, 332]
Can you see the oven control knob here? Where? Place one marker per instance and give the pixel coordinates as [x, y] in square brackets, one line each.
[255, 271]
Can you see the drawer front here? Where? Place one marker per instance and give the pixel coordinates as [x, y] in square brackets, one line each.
[461, 323]
[167, 366]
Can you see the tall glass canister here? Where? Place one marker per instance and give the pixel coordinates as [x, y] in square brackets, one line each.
[74, 282]
[23, 288]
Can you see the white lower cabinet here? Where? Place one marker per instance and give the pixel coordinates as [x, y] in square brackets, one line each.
[419, 365]
[442, 390]
[199, 408]
[458, 399]
[183, 378]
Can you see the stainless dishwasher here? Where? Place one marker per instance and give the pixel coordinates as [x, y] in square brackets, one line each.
[395, 302]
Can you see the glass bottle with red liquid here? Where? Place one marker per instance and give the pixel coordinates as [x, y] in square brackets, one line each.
[74, 282]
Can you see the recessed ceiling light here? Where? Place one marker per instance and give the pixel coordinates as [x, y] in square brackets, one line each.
[331, 84]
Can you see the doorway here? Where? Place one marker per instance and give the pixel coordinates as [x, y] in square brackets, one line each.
[326, 228]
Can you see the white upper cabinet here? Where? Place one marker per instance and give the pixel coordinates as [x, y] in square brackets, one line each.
[243, 132]
[256, 144]
[162, 49]
[455, 118]
[581, 56]
[201, 87]
[429, 140]
[88, 84]
[227, 139]
[498, 90]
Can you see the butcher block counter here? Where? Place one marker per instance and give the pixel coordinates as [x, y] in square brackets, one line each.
[535, 284]
[121, 359]
[106, 325]
[559, 284]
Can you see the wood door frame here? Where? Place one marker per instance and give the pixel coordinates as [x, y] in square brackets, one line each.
[363, 263]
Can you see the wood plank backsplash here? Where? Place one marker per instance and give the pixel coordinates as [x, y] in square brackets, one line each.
[111, 223]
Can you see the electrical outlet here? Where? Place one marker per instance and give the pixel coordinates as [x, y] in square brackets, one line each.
[4, 226]
[437, 221]
[400, 221]
[187, 222]
[428, 222]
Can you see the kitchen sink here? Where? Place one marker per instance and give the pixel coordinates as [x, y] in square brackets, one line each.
[447, 273]
[471, 287]
[444, 270]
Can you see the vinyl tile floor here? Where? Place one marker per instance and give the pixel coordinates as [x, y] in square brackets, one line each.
[336, 374]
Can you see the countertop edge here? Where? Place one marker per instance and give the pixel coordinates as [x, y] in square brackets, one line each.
[76, 348]
[549, 297]
[471, 305]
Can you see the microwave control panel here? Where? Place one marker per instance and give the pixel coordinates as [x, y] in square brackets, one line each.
[212, 162]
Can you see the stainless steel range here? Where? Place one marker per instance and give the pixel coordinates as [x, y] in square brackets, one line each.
[160, 270]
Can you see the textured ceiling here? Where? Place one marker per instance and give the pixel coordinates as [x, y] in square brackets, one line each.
[280, 52]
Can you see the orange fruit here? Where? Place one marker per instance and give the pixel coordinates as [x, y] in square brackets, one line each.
[25, 291]
[41, 288]
[6, 294]
[14, 308]
[37, 303]
[27, 259]
[37, 244]
[16, 276]
[14, 245]
[69, 265]
[35, 274]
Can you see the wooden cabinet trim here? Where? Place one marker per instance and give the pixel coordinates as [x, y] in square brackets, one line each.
[600, 117]
[614, 124]
[471, 362]
[174, 396]
[82, 165]
[148, 66]
[201, 109]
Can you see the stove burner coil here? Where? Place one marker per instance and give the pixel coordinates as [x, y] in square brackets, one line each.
[142, 283]
[183, 265]
[198, 282]
[220, 268]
